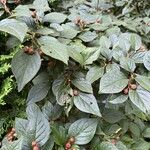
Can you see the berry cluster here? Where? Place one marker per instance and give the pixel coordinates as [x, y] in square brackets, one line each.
[130, 86]
[29, 50]
[69, 144]
[11, 135]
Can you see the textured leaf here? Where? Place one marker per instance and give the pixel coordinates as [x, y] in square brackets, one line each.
[20, 126]
[87, 103]
[41, 5]
[112, 116]
[90, 55]
[143, 81]
[16, 145]
[55, 17]
[135, 41]
[94, 73]
[105, 42]
[106, 146]
[119, 99]
[38, 125]
[26, 69]
[49, 145]
[52, 47]
[88, 36]
[140, 98]
[147, 60]
[82, 84]
[14, 27]
[113, 82]
[121, 146]
[83, 130]
[128, 64]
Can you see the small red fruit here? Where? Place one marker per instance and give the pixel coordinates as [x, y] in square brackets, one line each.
[114, 141]
[75, 92]
[67, 146]
[36, 148]
[126, 91]
[13, 130]
[34, 143]
[72, 140]
[133, 86]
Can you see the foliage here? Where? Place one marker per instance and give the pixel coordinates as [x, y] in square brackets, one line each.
[86, 65]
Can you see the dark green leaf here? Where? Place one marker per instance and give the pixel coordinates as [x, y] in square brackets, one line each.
[87, 103]
[83, 130]
[26, 69]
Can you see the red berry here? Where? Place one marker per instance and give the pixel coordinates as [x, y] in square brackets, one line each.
[34, 143]
[13, 130]
[126, 91]
[67, 146]
[72, 140]
[114, 141]
[36, 148]
[75, 92]
[133, 86]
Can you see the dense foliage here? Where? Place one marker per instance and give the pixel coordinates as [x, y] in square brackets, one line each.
[82, 70]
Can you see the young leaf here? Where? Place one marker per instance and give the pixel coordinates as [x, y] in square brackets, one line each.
[113, 81]
[87, 103]
[26, 69]
[83, 130]
[38, 127]
[119, 99]
[140, 98]
[143, 81]
[14, 27]
[53, 48]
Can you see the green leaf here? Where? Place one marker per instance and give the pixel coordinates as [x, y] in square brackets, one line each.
[143, 81]
[87, 103]
[21, 10]
[88, 36]
[82, 84]
[140, 98]
[113, 81]
[134, 129]
[53, 48]
[105, 42]
[55, 17]
[38, 127]
[14, 27]
[41, 5]
[49, 144]
[59, 135]
[112, 116]
[51, 112]
[135, 41]
[38, 92]
[74, 54]
[94, 73]
[83, 130]
[128, 64]
[146, 133]
[106, 146]
[121, 146]
[119, 99]
[26, 69]
[16, 145]
[90, 54]
[146, 60]
[20, 126]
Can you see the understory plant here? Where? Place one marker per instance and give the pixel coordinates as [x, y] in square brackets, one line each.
[85, 66]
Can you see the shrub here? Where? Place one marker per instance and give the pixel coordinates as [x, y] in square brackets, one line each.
[87, 67]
